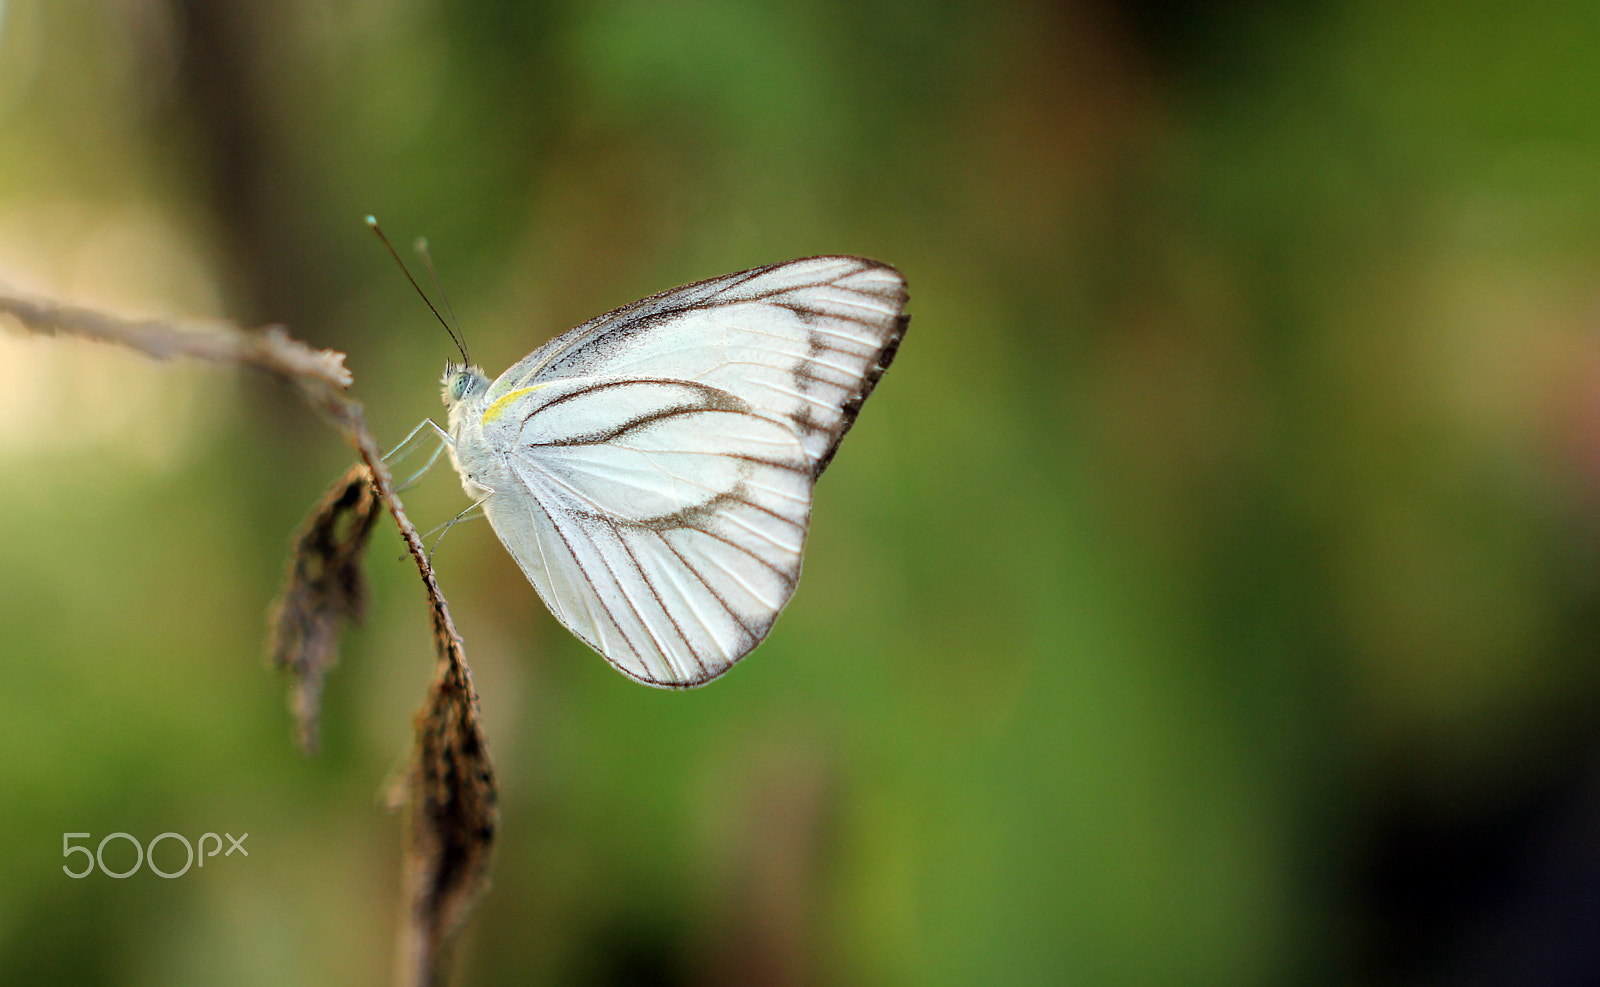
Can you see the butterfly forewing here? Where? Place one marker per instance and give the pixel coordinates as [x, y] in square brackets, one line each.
[803, 341]
[652, 469]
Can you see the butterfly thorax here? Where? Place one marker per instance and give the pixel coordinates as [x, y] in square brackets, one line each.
[465, 393]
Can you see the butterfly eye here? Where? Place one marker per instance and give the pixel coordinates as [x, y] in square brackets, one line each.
[459, 384]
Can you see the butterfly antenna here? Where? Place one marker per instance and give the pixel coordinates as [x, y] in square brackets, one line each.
[421, 247]
[373, 222]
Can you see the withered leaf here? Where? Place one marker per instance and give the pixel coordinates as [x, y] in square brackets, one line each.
[452, 814]
[323, 589]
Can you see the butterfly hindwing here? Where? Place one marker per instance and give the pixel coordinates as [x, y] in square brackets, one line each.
[669, 518]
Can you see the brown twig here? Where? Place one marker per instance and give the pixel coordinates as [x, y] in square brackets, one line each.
[452, 812]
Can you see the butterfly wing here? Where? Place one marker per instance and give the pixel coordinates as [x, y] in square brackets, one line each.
[661, 457]
[804, 342]
[661, 520]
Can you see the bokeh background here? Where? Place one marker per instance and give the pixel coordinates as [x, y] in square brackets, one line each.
[1207, 596]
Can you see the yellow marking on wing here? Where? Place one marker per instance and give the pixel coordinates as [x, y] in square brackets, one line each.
[499, 407]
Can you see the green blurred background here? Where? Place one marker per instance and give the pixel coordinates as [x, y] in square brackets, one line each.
[1208, 595]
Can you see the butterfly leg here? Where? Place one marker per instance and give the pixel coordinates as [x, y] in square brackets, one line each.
[396, 454]
[405, 442]
[463, 516]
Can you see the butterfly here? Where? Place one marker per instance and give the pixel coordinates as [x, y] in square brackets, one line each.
[651, 470]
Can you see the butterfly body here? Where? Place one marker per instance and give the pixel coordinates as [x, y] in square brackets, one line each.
[651, 470]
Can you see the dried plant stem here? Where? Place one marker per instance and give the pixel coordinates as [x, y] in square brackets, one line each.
[451, 813]
[271, 350]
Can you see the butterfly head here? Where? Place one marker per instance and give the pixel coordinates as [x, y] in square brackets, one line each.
[461, 383]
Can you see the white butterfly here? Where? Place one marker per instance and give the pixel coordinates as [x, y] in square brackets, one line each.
[651, 470]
